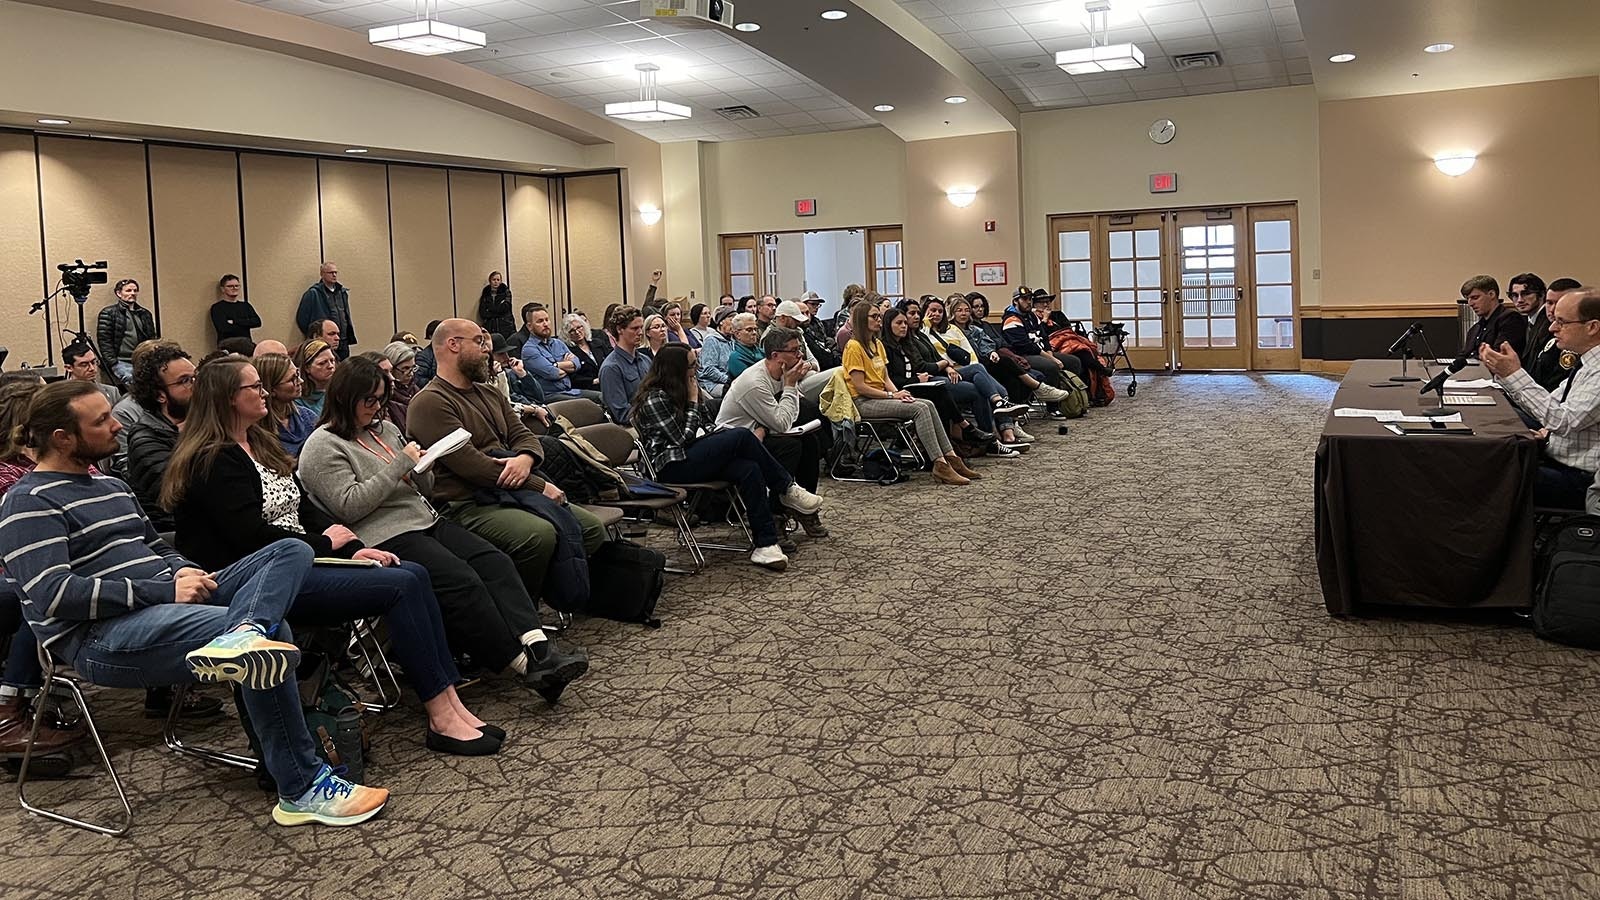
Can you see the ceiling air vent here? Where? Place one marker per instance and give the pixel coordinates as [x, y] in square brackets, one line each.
[1210, 59]
[738, 112]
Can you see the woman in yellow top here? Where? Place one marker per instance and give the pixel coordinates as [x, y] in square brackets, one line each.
[876, 397]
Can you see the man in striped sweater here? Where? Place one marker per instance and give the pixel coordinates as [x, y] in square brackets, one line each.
[104, 593]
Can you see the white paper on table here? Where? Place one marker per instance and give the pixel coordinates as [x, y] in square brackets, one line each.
[1382, 415]
[1470, 383]
[1447, 420]
[1446, 362]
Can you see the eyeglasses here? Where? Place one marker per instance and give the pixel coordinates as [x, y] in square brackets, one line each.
[1515, 294]
[374, 400]
[1558, 322]
[258, 387]
[406, 369]
[292, 379]
[183, 381]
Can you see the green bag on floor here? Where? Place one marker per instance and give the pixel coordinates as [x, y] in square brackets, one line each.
[1077, 402]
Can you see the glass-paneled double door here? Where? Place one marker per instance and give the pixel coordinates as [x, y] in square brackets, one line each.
[1212, 288]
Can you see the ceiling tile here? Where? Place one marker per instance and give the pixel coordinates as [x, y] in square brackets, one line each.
[1005, 35]
[1227, 7]
[994, 18]
[1186, 11]
[941, 25]
[1171, 31]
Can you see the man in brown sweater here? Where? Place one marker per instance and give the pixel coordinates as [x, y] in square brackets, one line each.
[462, 396]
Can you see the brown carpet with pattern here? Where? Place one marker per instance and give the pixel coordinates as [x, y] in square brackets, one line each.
[1104, 671]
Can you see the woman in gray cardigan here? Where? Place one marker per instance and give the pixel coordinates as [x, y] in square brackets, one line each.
[358, 468]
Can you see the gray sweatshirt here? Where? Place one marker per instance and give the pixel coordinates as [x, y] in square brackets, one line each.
[360, 489]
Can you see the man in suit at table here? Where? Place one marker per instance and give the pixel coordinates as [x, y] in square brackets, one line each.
[1569, 418]
[1497, 324]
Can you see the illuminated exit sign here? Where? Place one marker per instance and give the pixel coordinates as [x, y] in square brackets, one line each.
[805, 207]
[1164, 183]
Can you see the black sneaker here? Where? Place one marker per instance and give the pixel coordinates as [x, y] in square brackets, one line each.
[559, 667]
[158, 703]
[1056, 413]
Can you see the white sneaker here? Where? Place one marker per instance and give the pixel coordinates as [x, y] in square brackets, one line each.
[1022, 436]
[1049, 394]
[770, 557]
[800, 500]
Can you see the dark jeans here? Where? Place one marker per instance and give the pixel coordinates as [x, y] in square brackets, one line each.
[486, 607]
[146, 648]
[736, 455]
[1560, 486]
[334, 595]
[22, 662]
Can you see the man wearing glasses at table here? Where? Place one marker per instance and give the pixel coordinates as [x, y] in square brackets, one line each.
[1570, 417]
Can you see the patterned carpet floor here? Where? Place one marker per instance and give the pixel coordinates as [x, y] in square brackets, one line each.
[1104, 671]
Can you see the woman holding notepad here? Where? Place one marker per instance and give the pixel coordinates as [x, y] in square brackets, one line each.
[232, 491]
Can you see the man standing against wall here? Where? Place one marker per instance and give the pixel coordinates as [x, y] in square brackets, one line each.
[119, 328]
[232, 316]
[328, 299]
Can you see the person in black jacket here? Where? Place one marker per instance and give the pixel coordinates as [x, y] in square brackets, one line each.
[121, 327]
[232, 316]
[163, 384]
[494, 306]
[909, 364]
[1497, 324]
[232, 491]
[328, 299]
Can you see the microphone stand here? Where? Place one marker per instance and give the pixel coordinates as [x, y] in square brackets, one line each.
[1405, 354]
[49, 327]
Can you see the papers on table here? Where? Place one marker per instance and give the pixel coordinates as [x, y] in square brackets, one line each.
[448, 444]
[1446, 362]
[1390, 415]
[1467, 400]
[1471, 383]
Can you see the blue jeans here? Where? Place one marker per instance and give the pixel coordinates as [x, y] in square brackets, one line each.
[968, 397]
[403, 596]
[146, 648]
[986, 383]
[736, 455]
[22, 663]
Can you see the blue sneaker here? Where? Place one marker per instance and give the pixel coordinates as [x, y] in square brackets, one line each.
[331, 800]
[248, 657]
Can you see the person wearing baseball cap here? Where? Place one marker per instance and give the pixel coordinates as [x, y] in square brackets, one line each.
[790, 314]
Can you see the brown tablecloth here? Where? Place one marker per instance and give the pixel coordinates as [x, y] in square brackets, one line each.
[1423, 520]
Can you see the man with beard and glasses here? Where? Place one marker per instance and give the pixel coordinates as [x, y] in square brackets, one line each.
[484, 486]
[162, 384]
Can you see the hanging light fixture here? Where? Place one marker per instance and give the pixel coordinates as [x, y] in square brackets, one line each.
[426, 35]
[1101, 55]
[647, 108]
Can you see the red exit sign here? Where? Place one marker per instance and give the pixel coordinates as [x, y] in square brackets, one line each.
[805, 207]
[1164, 183]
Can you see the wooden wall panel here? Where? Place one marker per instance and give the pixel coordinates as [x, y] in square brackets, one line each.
[594, 243]
[529, 267]
[355, 236]
[195, 197]
[96, 206]
[419, 209]
[478, 235]
[21, 265]
[282, 243]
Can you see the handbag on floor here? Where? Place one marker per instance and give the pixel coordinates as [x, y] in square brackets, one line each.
[1566, 606]
[625, 582]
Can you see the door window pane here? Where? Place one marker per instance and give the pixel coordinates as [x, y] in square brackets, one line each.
[1149, 273]
[1149, 242]
[742, 285]
[1122, 275]
[1273, 268]
[741, 262]
[1272, 237]
[1122, 311]
[1121, 244]
[1073, 245]
[1275, 300]
[1079, 305]
[1223, 333]
[1075, 276]
[1149, 333]
[1194, 236]
[1195, 333]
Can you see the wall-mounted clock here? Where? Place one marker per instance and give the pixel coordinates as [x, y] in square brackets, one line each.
[1163, 131]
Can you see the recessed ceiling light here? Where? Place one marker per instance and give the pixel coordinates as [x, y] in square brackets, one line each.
[548, 169]
[1030, 64]
[956, 99]
[55, 121]
[834, 14]
[1438, 48]
[883, 107]
[1342, 58]
[747, 26]
[356, 150]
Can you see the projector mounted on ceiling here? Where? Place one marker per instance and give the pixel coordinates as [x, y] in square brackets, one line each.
[689, 12]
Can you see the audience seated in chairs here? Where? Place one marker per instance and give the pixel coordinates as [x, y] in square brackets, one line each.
[126, 411]
[163, 384]
[960, 404]
[490, 486]
[866, 367]
[83, 364]
[403, 370]
[316, 359]
[233, 493]
[983, 341]
[715, 351]
[521, 388]
[586, 378]
[941, 339]
[358, 468]
[766, 399]
[995, 351]
[552, 362]
[425, 362]
[1570, 418]
[623, 371]
[746, 346]
[655, 333]
[669, 416]
[286, 418]
[107, 596]
[1026, 332]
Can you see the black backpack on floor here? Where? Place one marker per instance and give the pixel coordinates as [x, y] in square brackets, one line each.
[1566, 606]
[625, 581]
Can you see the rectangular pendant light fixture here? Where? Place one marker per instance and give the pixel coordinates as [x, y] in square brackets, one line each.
[647, 108]
[1103, 58]
[427, 37]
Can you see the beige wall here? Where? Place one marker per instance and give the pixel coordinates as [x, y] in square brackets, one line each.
[1244, 147]
[688, 260]
[936, 229]
[1396, 230]
[413, 243]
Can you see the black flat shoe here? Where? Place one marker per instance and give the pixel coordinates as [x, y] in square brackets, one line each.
[494, 731]
[484, 745]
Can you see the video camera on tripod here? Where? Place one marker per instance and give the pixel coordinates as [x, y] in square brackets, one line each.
[78, 277]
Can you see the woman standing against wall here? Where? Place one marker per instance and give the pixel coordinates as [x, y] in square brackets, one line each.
[494, 306]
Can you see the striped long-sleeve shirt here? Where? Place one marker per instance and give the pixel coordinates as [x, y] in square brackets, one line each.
[78, 548]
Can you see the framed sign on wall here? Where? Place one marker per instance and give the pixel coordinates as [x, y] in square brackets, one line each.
[989, 273]
[947, 271]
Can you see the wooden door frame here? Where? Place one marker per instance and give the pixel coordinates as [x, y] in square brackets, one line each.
[729, 242]
[1203, 359]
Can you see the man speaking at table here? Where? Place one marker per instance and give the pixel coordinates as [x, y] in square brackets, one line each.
[1571, 416]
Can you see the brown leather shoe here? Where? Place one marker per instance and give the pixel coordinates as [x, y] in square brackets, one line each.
[18, 721]
[942, 471]
[966, 471]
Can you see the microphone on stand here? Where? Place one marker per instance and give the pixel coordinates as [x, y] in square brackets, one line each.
[1437, 384]
[1414, 329]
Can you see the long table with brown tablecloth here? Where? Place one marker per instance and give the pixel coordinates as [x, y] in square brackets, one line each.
[1421, 519]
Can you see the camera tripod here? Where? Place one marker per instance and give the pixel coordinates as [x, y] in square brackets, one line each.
[80, 296]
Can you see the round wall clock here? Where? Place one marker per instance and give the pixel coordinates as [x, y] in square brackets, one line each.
[1163, 131]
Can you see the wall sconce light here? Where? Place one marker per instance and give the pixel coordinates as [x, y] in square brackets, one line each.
[1456, 164]
[961, 196]
[650, 214]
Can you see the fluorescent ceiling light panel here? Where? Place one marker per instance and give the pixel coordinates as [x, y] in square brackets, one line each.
[427, 37]
[1106, 58]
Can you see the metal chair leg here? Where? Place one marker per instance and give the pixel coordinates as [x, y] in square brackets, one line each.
[359, 636]
[741, 515]
[169, 734]
[126, 818]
